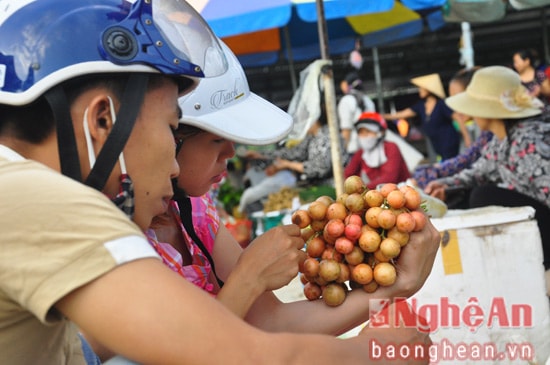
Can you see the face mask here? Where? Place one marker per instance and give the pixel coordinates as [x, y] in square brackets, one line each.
[124, 200]
[367, 143]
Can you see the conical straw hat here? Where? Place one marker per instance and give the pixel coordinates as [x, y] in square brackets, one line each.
[432, 83]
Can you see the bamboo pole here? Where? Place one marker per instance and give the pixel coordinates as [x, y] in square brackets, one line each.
[330, 102]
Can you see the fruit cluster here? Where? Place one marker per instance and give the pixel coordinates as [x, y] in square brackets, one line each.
[354, 241]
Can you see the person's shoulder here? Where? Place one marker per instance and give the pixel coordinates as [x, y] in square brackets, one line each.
[533, 125]
[529, 134]
[347, 99]
[49, 190]
[365, 97]
[540, 75]
[538, 129]
[391, 146]
[34, 175]
[61, 184]
[442, 104]
[417, 106]
[205, 199]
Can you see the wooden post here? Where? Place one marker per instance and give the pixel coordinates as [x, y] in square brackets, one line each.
[330, 102]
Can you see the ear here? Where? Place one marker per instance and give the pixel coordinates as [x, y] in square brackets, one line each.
[100, 121]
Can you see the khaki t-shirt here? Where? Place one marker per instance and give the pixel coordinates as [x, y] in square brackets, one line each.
[55, 235]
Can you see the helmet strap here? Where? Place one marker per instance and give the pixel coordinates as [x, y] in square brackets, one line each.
[66, 142]
[130, 105]
[186, 215]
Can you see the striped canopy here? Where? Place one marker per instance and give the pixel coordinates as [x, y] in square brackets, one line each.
[257, 31]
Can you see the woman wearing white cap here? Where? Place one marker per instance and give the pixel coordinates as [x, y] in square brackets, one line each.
[514, 167]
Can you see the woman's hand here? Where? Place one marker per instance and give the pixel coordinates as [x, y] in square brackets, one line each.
[272, 260]
[415, 261]
[269, 262]
[270, 170]
[281, 164]
[436, 190]
[278, 165]
[254, 155]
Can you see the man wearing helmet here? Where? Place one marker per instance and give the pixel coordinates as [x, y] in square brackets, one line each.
[89, 88]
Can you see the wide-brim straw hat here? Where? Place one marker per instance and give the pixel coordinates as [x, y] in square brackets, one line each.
[496, 92]
[432, 83]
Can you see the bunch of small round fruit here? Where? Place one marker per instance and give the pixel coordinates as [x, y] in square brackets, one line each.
[354, 241]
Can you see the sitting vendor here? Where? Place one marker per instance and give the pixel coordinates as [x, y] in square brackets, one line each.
[377, 161]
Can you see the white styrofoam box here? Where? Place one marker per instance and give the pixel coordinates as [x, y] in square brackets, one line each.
[490, 261]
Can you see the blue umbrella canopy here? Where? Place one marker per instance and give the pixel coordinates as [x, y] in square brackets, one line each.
[260, 32]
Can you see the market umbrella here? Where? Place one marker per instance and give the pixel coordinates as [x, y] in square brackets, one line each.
[259, 32]
[229, 18]
[297, 37]
[276, 28]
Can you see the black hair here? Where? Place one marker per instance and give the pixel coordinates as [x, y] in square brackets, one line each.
[354, 81]
[529, 54]
[185, 131]
[464, 76]
[32, 123]
[323, 117]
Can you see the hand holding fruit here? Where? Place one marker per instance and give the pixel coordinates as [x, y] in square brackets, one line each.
[416, 260]
[359, 240]
[273, 259]
[270, 170]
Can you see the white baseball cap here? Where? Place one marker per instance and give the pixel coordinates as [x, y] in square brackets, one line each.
[225, 106]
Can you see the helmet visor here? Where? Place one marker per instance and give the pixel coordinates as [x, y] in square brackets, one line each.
[188, 36]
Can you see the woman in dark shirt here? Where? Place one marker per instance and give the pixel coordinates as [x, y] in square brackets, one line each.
[436, 116]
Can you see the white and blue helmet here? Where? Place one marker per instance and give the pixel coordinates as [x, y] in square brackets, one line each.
[46, 42]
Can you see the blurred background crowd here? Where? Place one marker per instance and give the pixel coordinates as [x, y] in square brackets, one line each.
[400, 71]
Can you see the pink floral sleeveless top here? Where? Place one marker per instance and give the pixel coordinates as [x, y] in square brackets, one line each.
[206, 222]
